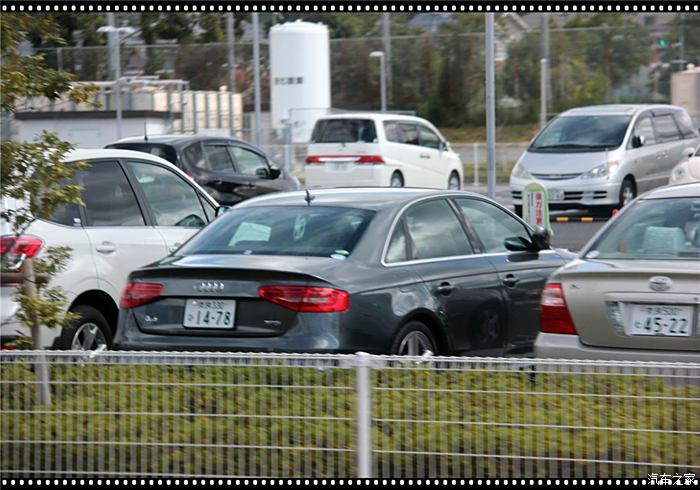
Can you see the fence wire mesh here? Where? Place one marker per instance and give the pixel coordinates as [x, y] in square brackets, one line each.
[185, 414]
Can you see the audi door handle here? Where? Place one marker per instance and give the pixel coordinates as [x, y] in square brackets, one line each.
[174, 247]
[424, 155]
[445, 288]
[511, 281]
[106, 248]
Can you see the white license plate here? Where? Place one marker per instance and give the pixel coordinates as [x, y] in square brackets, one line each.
[671, 321]
[555, 194]
[339, 166]
[209, 313]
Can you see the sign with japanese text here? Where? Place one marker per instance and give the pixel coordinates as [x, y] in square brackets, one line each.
[536, 205]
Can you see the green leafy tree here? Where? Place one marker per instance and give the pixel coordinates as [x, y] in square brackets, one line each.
[34, 174]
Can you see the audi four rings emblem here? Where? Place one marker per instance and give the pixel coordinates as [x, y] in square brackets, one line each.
[209, 287]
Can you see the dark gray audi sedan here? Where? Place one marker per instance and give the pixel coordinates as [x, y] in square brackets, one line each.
[396, 271]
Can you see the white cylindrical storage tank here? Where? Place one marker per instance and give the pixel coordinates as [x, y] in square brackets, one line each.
[300, 76]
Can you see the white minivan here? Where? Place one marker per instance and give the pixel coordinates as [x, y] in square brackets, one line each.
[379, 149]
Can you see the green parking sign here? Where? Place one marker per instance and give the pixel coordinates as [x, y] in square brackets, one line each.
[536, 205]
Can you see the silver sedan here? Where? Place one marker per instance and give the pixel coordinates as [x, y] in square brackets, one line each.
[634, 291]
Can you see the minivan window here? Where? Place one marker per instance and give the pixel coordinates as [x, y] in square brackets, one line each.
[581, 134]
[344, 131]
[666, 129]
[685, 123]
[646, 129]
[428, 138]
[309, 231]
[409, 133]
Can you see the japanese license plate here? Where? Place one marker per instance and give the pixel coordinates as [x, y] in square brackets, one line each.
[664, 320]
[209, 313]
[555, 194]
[339, 166]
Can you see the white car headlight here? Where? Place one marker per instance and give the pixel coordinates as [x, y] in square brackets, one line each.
[677, 174]
[604, 170]
[519, 172]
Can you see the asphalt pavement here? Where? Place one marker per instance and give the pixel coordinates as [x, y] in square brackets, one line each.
[571, 235]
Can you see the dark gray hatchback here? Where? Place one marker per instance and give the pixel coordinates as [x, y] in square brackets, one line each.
[377, 270]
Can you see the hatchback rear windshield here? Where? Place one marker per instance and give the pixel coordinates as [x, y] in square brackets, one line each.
[163, 151]
[582, 133]
[313, 231]
[344, 131]
[653, 229]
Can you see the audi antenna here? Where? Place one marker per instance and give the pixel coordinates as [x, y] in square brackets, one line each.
[145, 132]
[309, 197]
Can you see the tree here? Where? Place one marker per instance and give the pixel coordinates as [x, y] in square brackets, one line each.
[33, 173]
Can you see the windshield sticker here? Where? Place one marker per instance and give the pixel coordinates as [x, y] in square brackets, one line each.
[342, 252]
[593, 254]
[299, 227]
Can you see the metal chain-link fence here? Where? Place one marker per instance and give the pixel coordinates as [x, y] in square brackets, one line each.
[187, 414]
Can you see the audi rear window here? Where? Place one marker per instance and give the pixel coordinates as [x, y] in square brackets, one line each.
[312, 231]
[344, 131]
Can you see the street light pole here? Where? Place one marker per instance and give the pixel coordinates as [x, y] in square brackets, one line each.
[115, 38]
[256, 76]
[231, 72]
[382, 76]
[490, 107]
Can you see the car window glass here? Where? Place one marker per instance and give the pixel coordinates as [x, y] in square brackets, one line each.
[645, 128]
[173, 201]
[409, 133]
[663, 229]
[248, 162]
[193, 156]
[580, 133]
[108, 197]
[344, 131]
[666, 129]
[685, 123]
[319, 231]
[428, 138]
[166, 152]
[397, 246]
[392, 132]
[491, 224]
[218, 158]
[435, 231]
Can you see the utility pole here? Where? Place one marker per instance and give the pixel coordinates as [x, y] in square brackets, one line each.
[490, 106]
[231, 72]
[256, 76]
[682, 44]
[386, 34]
[545, 84]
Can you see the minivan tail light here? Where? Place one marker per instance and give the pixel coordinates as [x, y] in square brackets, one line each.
[313, 159]
[306, 299]
[374, 159]
[139, 293]
[554, 314]
[25, 245]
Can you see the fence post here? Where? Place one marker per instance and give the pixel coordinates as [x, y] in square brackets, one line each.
[364, 417]
[476, 163]
[41, 368]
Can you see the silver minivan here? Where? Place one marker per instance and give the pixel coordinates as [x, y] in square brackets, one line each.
[602, 157]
